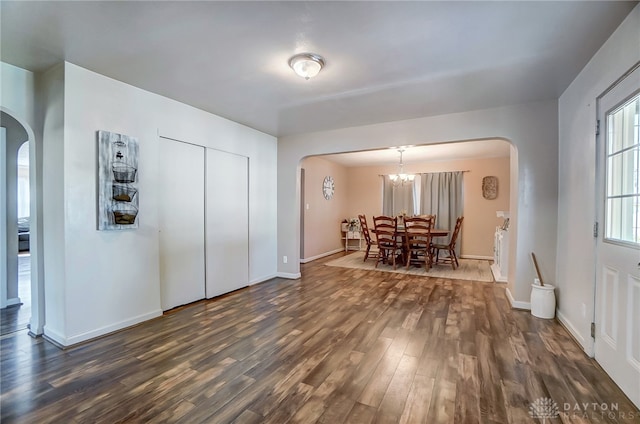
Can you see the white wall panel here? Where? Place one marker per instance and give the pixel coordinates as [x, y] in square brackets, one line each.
[609, 315]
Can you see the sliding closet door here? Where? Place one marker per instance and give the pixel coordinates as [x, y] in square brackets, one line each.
[227, 222]
[181, 210]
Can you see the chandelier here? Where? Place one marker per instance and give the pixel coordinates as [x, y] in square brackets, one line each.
[401, 177]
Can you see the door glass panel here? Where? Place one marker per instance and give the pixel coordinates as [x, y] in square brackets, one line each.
[614, 173]
[613, 215]
[629, 171]
[623, 173]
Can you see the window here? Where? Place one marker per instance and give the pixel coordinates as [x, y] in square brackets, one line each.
[23, 180]
[623, 173]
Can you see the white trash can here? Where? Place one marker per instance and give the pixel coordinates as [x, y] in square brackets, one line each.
[543, 300]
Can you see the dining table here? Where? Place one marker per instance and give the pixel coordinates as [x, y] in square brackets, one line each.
[435, 232]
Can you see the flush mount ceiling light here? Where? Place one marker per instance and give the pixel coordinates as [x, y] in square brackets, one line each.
[307, 65]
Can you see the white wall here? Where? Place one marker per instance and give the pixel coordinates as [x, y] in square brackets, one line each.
[17, 98]
[51, 132]
[110, 279]
[17, 88]
[532, 128]
[576, 206]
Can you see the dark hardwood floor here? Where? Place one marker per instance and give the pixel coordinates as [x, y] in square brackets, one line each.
[339, 345]
[16, 317]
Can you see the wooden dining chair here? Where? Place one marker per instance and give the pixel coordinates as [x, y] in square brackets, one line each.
[450, 248]
[433, 219]
[368, 239]
[417, 241]
[386, 229]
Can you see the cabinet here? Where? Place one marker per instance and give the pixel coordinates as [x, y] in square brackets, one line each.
[352, 238]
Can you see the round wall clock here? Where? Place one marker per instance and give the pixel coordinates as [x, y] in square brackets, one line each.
[328, 187]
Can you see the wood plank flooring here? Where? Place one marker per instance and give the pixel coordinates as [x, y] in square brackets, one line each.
[16, 317]
[337, 346]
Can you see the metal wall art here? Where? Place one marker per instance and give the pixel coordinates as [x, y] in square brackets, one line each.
[117, 181]
[490, 187]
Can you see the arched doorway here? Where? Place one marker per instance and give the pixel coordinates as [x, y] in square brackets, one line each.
[358, 173]
[15, 135]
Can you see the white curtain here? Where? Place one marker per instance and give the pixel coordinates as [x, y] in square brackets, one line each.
[441, 194]
[397, 200]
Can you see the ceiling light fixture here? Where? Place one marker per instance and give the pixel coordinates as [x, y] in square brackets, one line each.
[401, 177]
[307, 65]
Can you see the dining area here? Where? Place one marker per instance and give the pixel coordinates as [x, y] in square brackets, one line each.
[408, 241]
[444, 191]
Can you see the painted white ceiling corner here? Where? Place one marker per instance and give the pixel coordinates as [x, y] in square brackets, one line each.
[428, 153]
[385, 61]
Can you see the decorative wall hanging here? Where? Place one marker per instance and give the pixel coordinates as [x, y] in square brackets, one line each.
[117, 181]
[490, 187]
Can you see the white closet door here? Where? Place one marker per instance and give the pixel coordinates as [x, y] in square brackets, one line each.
[227, 222]
[181, 210]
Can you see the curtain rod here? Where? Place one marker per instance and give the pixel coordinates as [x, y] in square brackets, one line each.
[424, 173]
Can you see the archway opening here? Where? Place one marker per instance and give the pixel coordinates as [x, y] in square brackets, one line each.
[359, 190]
[22, 289]
[23, 205]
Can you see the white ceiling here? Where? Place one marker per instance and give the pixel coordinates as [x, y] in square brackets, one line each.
[385, 60]
[431, 153]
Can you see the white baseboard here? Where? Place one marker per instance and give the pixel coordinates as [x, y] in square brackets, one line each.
[83, 337]
[517, 304]
[587, 344]
[289, 275]
[35, 330]
[322, 255]
[480, 257]
[262, 279]
[55, 337]
[495, 270]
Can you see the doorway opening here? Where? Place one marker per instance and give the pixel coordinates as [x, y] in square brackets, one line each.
[16, 310]
[21, 300]
[359, 190]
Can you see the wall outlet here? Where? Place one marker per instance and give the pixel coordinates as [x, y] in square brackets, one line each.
[284, 259]
[584, 310]
[307, 206]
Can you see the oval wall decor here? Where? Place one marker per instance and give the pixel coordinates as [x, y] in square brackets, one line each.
[490, 187]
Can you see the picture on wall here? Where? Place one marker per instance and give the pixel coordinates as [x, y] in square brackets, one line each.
[490, 187]
[118, 195]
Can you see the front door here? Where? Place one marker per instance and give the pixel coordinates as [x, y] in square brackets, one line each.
[617, 336]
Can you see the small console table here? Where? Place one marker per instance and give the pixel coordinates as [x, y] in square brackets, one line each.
[352, 238]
